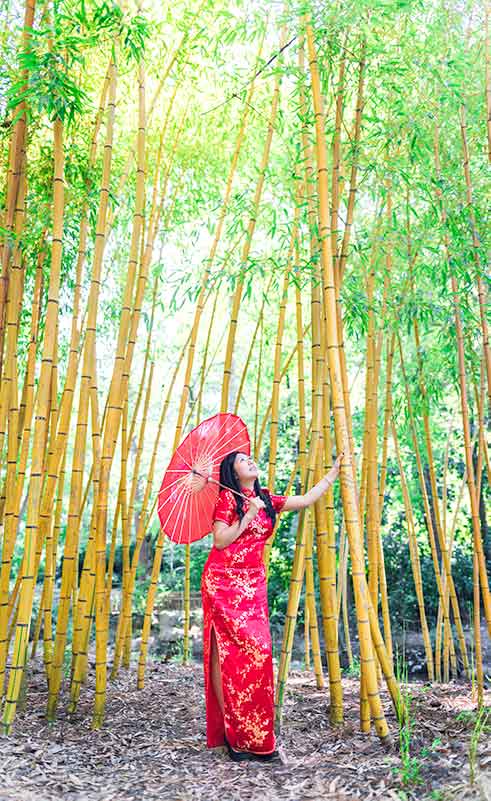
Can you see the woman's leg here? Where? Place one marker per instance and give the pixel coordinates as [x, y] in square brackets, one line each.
[216, 676]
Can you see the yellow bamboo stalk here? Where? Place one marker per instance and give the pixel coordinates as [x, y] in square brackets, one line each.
[62, 419]
[14, 178]
[50, 572]
[387, 415]
[431, 470]
[264, 422]
[296, 581]
[487, 58]
[10, 395]
[147, 623]
[477, 632]
[83, 602]
[343, 591]
[371, 413]
[326, 550]
[139, 447]
[476, 245]
[355, 139]
[429, 526]
[27, 401]
[464, 406]
[327, 579]
[336, 152]
[306, 636]
[414, 554]
[259, 323]
[227, 369]
[187, 610]
[205, 367]
[311, 623]
[124, 629]
[367, 626]
[275, 397]
[312, 626]
[257, 441]
[210, 261]
[28, 578]
[142, 527]
[116, 395]
[71, 539]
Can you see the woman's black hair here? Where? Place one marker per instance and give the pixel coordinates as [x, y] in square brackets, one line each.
[228, 478]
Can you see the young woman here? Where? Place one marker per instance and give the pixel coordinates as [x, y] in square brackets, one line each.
[238, 662]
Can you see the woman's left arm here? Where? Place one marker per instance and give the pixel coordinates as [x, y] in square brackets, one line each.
[294, 502]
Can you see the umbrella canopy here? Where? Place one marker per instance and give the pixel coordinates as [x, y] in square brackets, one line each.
[190, 486]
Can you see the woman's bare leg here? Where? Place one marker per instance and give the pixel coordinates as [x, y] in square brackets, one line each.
[216, 678]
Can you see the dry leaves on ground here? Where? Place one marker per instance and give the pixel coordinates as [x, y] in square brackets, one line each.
[152, 746]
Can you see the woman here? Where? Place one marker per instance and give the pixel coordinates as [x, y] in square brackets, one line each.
[238, 662]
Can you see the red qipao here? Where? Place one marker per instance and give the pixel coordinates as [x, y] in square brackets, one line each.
[235, 605]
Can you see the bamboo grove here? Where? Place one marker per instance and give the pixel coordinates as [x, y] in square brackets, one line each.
[274, 210]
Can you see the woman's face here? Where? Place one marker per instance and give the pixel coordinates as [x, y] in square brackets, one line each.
[245, 467]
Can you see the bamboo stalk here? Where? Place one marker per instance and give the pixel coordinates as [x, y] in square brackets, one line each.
[367, 626]
[251, 348]
[116, 396]
[371, 412]
[139, 448]
[227, 369]
[267, 413]
[258, 438]
[336, 152]
[487, 58]
[477, 631]
[430, 529]
[142, 527]
[275, 396]
[355, 138]
[414, 555]
[476, 245]
[14, 174]
[296, 581]
[464, 406]
[71, 539]
[147, 622]
[210, 261]
[50, 573]
[125, 628]
[28, 578]
[10, 389]
[312, 626]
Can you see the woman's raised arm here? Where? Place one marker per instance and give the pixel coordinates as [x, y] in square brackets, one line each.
[294, 502]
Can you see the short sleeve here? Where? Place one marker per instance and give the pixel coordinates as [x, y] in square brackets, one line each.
[226, 508]
[278, 502]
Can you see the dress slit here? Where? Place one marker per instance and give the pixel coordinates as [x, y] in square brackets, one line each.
[215, 715]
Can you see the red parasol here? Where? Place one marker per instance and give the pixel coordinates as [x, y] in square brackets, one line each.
[190, 487]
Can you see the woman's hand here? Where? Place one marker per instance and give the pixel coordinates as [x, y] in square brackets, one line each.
[339, 459]
[334, 471]
[224, 535]
[255, 506]
[295, 502]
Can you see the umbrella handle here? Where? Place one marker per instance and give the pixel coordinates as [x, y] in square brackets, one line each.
[214, 481]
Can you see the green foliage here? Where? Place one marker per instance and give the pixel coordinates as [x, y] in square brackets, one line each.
[419, 67]
[60, 47]
[481, 725]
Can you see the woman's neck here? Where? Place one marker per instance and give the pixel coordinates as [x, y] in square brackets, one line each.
[248, 485]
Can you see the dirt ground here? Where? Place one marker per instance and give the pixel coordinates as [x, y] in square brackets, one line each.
[152, 746]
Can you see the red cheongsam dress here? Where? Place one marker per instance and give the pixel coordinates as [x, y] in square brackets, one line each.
[235, 605]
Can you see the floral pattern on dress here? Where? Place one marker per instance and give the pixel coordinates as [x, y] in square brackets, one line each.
[235, 606]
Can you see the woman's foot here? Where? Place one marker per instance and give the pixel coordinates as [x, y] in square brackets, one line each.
[249, 756]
